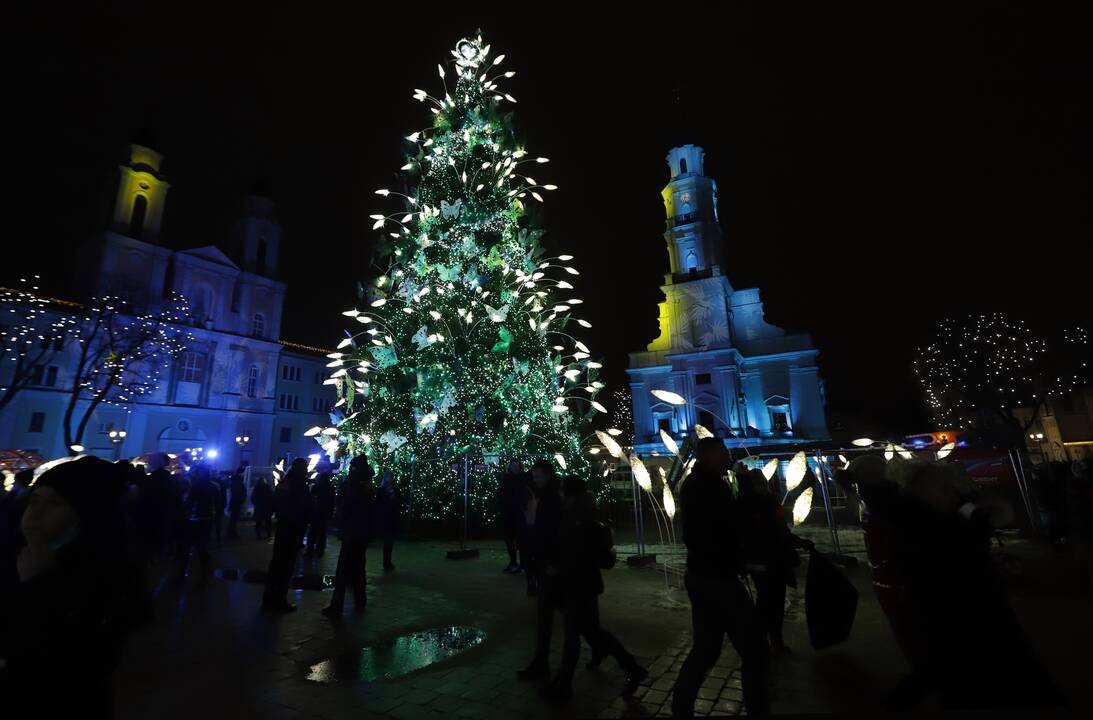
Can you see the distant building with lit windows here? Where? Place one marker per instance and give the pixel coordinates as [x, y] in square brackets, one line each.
[1063, 428]
[743, 379]
[232, 381]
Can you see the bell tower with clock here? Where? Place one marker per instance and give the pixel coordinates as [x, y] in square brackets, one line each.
[690, 201]
[742, 378]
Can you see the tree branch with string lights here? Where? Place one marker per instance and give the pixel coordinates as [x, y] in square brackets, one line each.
[464, 346]
[32, 336]
[979, 369]
[121, 356]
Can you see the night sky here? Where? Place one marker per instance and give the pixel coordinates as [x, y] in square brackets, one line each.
[878, 170]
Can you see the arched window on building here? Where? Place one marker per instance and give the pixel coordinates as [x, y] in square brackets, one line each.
[136, 220]
[690, 262]
[683, 166]
[252, 382]
[258, 325]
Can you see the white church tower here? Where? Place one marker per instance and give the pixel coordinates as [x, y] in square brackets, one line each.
[743, 379]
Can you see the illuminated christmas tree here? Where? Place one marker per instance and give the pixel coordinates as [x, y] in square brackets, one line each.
[463, 348]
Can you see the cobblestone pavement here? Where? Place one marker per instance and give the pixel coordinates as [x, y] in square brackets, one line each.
[212, 653]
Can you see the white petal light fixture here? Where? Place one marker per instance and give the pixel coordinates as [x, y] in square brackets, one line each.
[669, 397]
[795, 473]
[641, 473]
[669, 443]
[609, 442]
[802, 505]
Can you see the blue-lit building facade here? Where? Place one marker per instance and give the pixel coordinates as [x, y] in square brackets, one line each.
[745, 380]
[237, 377]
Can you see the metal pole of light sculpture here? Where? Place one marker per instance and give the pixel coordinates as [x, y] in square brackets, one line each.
[464, 552]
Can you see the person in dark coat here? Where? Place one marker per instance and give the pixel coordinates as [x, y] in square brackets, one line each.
[238, 500]
[322, 508]
[719, 603]
[580, 584]
[159, 504]
[769, 551]
[262, 499]
[221, 503]
[544, 554]
[199, 507]
[388, 515]
[292, 503]
[515, 492]
[12, 505]
[63, 628]
[356, 514]
[972, 648]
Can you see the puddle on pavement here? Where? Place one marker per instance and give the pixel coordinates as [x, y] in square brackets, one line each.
[258, 577]
[391, 658]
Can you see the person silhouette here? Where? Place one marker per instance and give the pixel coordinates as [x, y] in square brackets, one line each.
[719, 603]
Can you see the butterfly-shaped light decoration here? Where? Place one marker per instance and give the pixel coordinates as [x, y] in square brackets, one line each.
[498, 314]
[408, 289]
[448, 273]
[451, 210]
[469, 247]
[425, 421]
[421, 338]
[471, 276]
[445, 403]
[521, 366]
[425, 241]
[505, 342]
[392, 440]
[384, 356]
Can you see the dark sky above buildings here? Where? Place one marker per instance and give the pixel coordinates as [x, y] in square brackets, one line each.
[879, 169]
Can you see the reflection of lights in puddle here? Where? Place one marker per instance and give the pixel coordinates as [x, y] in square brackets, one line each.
[402, 655]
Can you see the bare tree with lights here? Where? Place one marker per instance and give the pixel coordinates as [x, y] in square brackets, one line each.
[121, 357]
[32, 335]
[981, 368]
[464, 349]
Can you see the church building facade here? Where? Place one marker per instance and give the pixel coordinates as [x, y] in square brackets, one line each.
[743, 379]
[238, 391]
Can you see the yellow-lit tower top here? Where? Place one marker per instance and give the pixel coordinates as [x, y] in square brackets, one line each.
[142, 194]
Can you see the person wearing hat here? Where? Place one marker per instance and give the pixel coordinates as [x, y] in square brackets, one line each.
[79, 594]
[355, 517]
[292, 503]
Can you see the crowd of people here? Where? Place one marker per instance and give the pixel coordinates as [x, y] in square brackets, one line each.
[82, 546]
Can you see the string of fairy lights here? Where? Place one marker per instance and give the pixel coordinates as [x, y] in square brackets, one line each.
[30, 333]
[990, 362]
[464, 345]
[117, 354]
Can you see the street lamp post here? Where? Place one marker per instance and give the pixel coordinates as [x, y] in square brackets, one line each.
[242, 441]
[117, 437]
